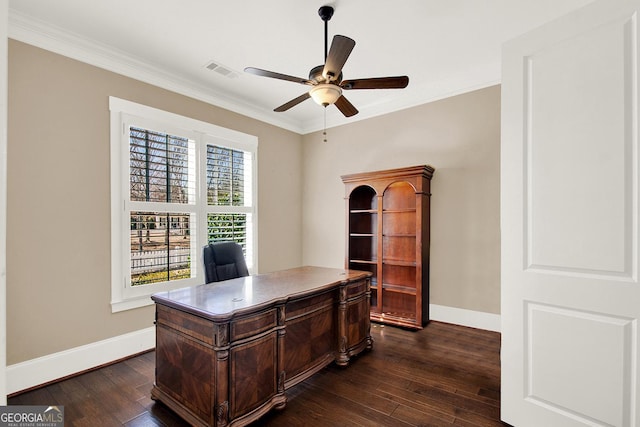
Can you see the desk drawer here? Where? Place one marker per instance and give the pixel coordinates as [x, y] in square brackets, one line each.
[308, 305]
[185, 323]
[254, 324]
[357, 288]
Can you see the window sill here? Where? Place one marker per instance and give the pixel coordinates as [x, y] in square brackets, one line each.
[131, 303]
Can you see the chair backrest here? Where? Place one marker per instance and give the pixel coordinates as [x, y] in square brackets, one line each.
[223, 261]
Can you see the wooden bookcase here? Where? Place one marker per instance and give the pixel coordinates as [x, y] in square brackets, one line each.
[388, 235]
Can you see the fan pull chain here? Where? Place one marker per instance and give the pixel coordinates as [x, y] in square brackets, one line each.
[324, 130]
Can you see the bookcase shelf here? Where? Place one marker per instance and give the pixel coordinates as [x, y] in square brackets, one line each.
[391, 211]
[399, 262]
[400, 289]
[364, 261]
[388, 214]
[364, 211]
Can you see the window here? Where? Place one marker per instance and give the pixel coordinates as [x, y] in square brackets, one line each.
[226, 195]
[177, 184]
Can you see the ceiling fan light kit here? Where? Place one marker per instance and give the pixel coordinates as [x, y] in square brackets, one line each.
[325, 93]
[326, 80]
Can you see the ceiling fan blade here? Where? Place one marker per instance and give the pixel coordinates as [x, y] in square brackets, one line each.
[292, 103]
[398, 82]
[340, 50]
[274, 75]
[346, 107]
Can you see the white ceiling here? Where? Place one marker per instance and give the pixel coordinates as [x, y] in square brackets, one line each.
[446, 47]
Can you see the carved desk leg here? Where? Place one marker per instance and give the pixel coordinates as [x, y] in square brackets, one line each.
[367, 318]
[221, 409]
[280, 357]
[343, 357]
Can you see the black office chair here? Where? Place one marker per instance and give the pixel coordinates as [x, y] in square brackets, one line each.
[223, 261]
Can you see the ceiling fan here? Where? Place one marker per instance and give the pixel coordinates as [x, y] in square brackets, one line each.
[326, 80]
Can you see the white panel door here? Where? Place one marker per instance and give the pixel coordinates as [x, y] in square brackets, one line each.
[569, 174]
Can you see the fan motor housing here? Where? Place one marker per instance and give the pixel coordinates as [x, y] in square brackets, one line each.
[316, 75]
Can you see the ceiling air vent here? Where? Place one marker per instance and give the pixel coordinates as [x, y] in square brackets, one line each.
[221, 69]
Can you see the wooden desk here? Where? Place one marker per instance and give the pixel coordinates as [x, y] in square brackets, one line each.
[227, 351]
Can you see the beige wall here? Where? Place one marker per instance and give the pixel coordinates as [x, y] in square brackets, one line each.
[460, 137]
[58, 220]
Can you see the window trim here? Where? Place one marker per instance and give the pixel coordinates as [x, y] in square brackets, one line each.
[124, 113]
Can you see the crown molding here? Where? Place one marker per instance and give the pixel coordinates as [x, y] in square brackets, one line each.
[54, 39]
[468, 81]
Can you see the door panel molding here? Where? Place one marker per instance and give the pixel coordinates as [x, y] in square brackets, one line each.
[580, 221]
[557, 340]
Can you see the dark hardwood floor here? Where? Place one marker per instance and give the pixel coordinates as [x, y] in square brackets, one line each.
[444, 375]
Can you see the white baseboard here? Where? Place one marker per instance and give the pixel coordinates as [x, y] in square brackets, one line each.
[25, 375]
[35, 372]
[463, 317]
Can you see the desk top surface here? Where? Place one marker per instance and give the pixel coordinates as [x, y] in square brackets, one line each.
[222, 300]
